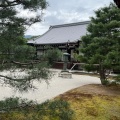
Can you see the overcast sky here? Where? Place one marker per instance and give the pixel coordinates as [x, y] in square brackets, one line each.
[66, 11]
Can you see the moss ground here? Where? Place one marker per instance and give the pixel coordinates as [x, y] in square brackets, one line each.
[89, 102]
[94, 102]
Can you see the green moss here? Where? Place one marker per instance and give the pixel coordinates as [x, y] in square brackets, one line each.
[96, 108]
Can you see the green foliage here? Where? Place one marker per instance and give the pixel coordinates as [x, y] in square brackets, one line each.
[22, 79]
[12, 27]
[90, 67]
[102, 45]
[24, 52]
[105, 82]
[52, 55]
[16, 58]
[11, 30]
[20, 53]
[13, 104]
[49, 110]
[32, 5]
[17, 64]
[19, 69]
[117, 78]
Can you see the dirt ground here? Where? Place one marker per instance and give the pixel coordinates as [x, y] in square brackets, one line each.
[93, 89]
[99, 89]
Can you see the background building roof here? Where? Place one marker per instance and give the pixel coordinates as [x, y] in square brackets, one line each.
[58, 34]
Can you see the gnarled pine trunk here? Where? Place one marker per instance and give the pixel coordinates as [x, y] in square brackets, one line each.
[102, 75]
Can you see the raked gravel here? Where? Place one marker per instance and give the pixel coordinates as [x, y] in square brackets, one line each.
[56, 86]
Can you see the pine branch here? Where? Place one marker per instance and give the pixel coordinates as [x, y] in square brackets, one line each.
[10, 78]
[15, 107]
[10, 3]
[31, 63]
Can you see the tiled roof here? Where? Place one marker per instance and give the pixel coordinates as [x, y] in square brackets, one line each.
[62, 33]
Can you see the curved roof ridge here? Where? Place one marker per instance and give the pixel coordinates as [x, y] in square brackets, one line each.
[70, 24]
[62, 33]
[33, 39]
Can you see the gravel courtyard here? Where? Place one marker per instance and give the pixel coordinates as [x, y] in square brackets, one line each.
[56, 86]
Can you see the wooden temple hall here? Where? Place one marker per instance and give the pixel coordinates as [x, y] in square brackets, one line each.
[65, 37]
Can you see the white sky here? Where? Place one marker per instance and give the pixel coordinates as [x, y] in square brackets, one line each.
[65, 11]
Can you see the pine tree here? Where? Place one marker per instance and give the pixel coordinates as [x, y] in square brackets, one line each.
[12, 27]
[15, 55]
[102, 43]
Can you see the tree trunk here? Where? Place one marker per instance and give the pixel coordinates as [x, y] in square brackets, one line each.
[102, 75]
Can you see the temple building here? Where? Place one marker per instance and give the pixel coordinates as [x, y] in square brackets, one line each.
[66, 37]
